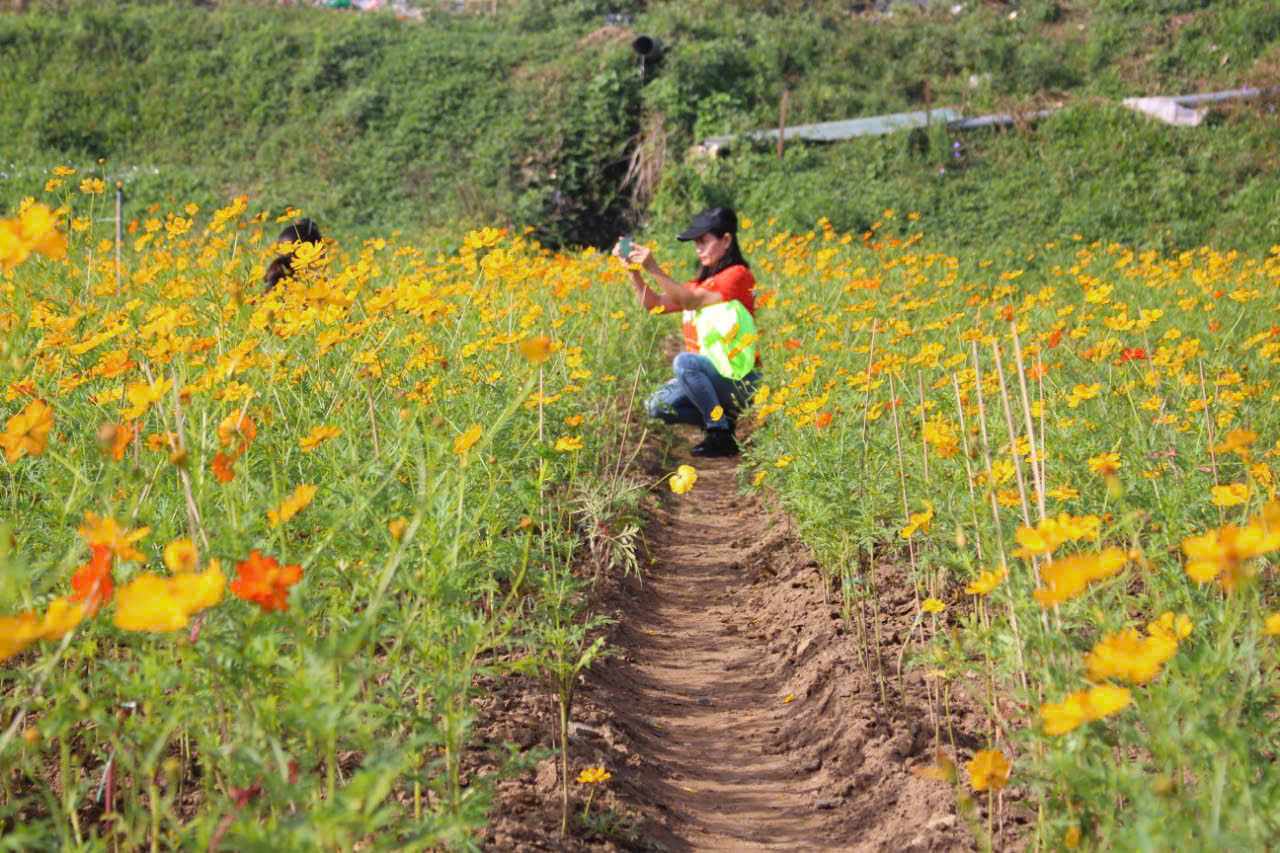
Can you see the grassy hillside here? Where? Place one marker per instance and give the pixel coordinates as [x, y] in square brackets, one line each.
[531, 116]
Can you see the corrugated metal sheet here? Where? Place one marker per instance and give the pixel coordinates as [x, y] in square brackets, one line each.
[833, 131]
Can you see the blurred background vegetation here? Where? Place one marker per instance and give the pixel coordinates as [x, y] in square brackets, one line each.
[538, 113]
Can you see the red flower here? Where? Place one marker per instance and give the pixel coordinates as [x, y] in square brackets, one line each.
[1133, 354]
[92, 582]
[1055, 338]
[265, 582]
[222, 467]
[823, 420]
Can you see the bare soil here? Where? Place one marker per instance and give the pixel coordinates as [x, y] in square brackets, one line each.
[736, 712]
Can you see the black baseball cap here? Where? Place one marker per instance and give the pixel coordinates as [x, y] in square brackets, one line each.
[713, 220]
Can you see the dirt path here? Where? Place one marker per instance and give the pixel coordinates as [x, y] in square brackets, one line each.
[737, 711]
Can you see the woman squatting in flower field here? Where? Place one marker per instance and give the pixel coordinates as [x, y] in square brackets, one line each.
[704, 391]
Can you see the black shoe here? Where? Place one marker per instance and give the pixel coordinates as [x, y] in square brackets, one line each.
[719, 442]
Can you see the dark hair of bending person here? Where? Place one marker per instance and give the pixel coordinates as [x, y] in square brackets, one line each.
[301, 231]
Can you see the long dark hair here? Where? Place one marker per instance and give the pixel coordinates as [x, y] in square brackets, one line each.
[732, 257]
[302, 231]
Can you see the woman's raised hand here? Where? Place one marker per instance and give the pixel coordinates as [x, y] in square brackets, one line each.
[640, 256]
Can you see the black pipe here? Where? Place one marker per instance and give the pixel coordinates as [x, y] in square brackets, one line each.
[648, 47]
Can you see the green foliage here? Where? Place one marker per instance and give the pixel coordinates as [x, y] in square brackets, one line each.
[358, 119]
[529, 117]
[1104, 173]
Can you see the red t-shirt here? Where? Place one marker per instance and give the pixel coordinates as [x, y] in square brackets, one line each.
[735, 282]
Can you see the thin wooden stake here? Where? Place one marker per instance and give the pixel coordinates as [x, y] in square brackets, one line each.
[119, 228]
[1031, 431]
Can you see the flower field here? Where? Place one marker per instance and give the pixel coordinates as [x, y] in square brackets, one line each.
[1070, 450]
[257, 550]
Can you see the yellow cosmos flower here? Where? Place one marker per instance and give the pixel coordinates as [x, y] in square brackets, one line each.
[17, 633]
[142, 395]
[1067, 577]
[1126, 656]
[1082, 707]
[988, 770]
[918, 521]
[1105, 464]
[62, 616]
[292, 505]
[568, 444]
[180, 556]
[1080, 393]
[1271, 628]
[987, 581]
[318, 436]
[1177, 627]
[1221, 554]
[684, 478]
[93, 186]
[396, 527]
[464, 442]
[1051, 532]
[27, 433]
[1233, 494]
[594, 776]
[158, 604]
[932, 605]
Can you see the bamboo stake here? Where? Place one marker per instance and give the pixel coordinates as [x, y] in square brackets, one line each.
[1031, 432]
[968, 467]
[995, 513]
[119, 228]
[924, 445]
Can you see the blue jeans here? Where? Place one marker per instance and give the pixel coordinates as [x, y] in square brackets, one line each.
[696, 390]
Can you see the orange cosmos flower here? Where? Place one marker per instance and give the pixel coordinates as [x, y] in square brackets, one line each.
[265, 582]
[320, 434]
[292, 505]
[27, 433]
[536, 350]
[98, 530]
[237, 424]
[116, 438]
[988, 770]
[92, 582]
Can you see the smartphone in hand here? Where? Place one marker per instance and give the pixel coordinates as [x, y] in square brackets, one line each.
[624, 247]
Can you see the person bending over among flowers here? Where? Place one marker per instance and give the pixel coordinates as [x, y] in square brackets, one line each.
[718, 372]
[302, 231]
